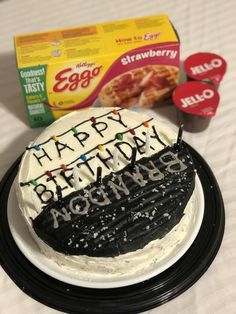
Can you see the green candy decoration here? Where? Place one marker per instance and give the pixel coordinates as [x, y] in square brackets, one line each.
[119, 136]
[74, 130]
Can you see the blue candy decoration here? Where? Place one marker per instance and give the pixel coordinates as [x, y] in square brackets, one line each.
[83, 157]
[37, 147]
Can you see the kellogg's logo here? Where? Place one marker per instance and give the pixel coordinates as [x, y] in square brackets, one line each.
[67, 79]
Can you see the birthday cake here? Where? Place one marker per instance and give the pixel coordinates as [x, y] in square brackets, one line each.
[107, 192]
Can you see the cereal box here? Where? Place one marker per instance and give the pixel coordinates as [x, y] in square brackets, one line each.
[126, 63]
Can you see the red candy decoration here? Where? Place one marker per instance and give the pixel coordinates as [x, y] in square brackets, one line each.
[132, 131]
[48, 173]
[114, 111]
[93, 119]
[64, 167]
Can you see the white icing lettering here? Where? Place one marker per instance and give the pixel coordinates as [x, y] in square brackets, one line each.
[121, 187]
[55, 213]
[136, 176]
[76, 208]
[172, 161]
[154, 174]
[105, 201]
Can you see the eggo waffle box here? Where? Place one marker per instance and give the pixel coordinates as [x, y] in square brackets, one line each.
[125, 63]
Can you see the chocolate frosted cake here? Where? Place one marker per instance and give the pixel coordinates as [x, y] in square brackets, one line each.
[106, 192]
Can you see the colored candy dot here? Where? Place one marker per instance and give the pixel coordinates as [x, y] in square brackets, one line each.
[83, 157]
[34, 182]
[101, 147]
[64, 167]
[119, 136]
[115, 111]
[132, 131]
[146, 124]
[74, 130]
[55, 138]
[37, 147]
[48, 173]
[93, 119]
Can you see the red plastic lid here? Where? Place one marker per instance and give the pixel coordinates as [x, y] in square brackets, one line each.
[205, 66]
[197, 98]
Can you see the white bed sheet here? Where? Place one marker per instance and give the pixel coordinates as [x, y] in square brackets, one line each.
[202, 26]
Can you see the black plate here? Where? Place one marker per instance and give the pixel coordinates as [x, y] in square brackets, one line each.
[132, 299]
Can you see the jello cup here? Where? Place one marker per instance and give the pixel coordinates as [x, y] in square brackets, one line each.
[196, 104]
[206, 67]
